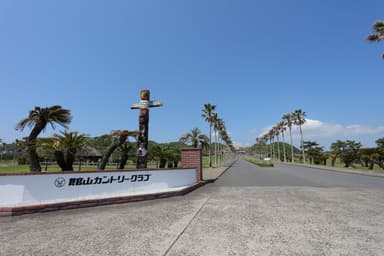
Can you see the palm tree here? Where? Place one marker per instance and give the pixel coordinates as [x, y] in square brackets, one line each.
[38, 119]
[378, 29]
[195, 137]
[282, 129]
[271, 136]
[220, 126]
[265, 141]
[163, 154]
[288, 118]
[299, 119]
[208, 115]
[277, 132]
[119, 137]
[66, 146]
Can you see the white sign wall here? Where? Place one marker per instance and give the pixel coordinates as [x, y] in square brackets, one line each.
[21, 190]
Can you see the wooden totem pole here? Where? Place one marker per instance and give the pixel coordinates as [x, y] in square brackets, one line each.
[142, 141]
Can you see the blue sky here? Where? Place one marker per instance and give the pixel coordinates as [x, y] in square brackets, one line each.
[255, 60]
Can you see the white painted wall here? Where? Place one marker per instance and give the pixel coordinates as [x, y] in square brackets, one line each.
[21, 190]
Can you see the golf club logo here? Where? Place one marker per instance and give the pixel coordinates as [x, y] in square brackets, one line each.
[59, 182]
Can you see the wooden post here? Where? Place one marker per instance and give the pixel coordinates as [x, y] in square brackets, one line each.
[142, 141]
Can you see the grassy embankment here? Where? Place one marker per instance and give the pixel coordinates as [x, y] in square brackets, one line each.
[260, 163]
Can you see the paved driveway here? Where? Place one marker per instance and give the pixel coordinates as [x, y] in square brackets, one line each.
[218, 219]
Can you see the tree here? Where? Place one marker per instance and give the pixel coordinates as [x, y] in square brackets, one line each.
[195, 138]
[289, 122]
[66, 146]
[348, 151]
[277, 133]
[220, 126]
[336, 149]
[124, 150]
[271, 136]
[283, 128]
[378, 30]
[380, 143]
[314, 152]
[38, 119]
[208, 115]
[299, 119]
[119, 137]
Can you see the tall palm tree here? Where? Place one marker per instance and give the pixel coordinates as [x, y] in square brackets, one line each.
[38, 119]
[195, 137]
[208, 115]
[119, 137]
[277, 134]
[271, 135]
[220, 125]
[215, 119]
[299, 119]
[66, 146]
[288, 118]
[378, 29]
[265, 141]
[282, 128]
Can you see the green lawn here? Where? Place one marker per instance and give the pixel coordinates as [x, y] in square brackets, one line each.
[14, 168]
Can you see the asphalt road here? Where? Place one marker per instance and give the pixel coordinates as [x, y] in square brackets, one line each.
[244, 173]
[283, 210]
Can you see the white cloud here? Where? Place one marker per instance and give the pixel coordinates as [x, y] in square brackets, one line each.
[330, 132]
[315, 128]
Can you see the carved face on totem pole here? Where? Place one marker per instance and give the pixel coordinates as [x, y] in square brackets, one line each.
[144, 95]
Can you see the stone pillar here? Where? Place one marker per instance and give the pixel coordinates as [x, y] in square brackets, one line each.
[192, 158]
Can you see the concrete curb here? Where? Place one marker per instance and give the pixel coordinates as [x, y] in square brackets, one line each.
[21, 210]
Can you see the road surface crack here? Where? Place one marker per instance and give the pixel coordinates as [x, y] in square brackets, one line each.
[186, 227]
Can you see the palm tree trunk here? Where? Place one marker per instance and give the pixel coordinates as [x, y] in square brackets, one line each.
[34, 160]
[70, 160]
[210, 143]
[290, 137]
[216, 147]
[123, 161]
[285, 155]
[302, 143]
[163, 162]
[278, 147]
[107, 154]
[59, 156]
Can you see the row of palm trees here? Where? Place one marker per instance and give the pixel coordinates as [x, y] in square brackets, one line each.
[220, 132]
[288, 120]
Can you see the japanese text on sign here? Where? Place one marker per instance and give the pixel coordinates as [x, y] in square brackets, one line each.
[108, 179]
